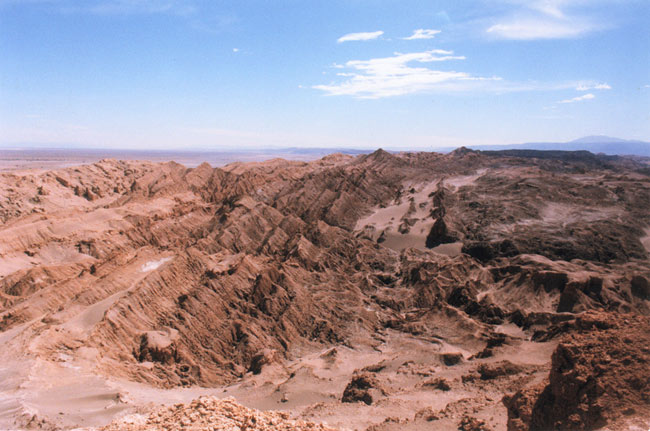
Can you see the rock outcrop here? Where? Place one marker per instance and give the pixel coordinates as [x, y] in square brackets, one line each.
[212, 414]
[599, 375]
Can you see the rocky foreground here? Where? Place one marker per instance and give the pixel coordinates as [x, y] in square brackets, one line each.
[473, 290]
[212, 414]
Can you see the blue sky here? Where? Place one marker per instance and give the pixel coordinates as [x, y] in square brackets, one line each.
[181, 74]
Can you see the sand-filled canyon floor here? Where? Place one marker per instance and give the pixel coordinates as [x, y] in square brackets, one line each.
[409, 291]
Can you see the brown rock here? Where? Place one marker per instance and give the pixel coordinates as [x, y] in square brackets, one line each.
[469, 423]
[451, 359]
[498, 369]
[158, 346]
[437, 383]
[265, 357]
[596, 377]
[364, 387]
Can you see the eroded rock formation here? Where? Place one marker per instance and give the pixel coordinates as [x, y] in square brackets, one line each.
[171, 276]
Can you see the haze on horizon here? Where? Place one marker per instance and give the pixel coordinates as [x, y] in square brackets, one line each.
[193, 74]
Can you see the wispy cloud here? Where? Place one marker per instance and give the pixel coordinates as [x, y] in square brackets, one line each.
[408, 73]
[394, 76]
[539, 28]
[548, 7]
[422, 34]
[582, 98]
[587, 87]
[359, 36]
[543, 19]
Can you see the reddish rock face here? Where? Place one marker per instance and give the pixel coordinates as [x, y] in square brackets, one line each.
[600, 373]
[361, 388]
[469, 423]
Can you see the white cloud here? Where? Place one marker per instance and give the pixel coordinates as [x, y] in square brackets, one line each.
[587, 96]
[539, 28]
[393, 76]
[235, 50]
[543, 19]
[422, 34]
[555, 8]
[549, 7]
[587, 87]
[360, 36]
[402, 74]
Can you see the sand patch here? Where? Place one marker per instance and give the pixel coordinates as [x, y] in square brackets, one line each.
[154, 264]
[451, 249]
[555, 213]
[646, 240]
[463, 180]
[414, 205]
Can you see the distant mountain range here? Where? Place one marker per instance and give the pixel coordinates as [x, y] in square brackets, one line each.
[594, 144]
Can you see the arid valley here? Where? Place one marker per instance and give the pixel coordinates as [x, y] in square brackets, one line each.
[474, 290]
[342, 215]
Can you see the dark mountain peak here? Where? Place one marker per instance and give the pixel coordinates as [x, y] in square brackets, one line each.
[462, 151]
[379, 155]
